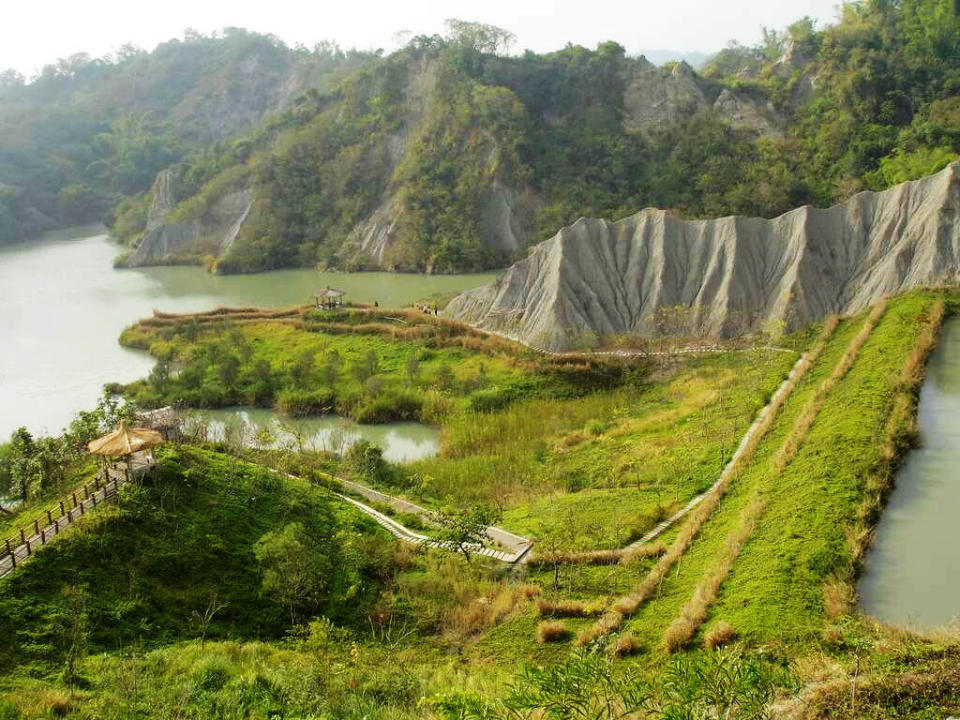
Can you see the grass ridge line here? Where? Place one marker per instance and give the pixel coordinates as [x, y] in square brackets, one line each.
[629, 604]
[694, 613]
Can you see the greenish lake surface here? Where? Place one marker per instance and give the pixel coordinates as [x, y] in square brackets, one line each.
[401, 442]
[913, 576]
[63, 306]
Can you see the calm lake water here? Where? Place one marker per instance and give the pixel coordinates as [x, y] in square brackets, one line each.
[401, 442]
[62, 307]
[914, 568]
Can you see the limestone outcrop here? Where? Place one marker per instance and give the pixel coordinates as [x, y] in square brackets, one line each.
[211, 233]
[652, 273]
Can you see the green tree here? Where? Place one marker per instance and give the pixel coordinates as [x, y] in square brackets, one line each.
[466, 531]
[297, 567]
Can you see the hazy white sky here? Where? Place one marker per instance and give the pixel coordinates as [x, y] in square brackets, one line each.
[37, 32]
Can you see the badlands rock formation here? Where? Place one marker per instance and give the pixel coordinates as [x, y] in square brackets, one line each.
[211, 233]
[652, 273]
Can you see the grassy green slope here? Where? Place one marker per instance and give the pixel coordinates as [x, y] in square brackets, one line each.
[144, 566]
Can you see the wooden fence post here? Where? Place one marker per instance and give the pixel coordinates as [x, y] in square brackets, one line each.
[13, 561]
[62, 511]
[7, 541]
[86, 491]
[43, 536]
[23, 538]
[49, 518]
[75, 503]
[36, 527]
[28, 547]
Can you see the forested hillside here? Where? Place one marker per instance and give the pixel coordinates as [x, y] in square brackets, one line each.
[88, 131]
[453, 154]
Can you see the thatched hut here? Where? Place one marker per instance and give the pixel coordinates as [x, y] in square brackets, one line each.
[329, 297]
[125, 442]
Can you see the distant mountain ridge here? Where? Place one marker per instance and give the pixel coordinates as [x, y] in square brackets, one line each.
[653, 274]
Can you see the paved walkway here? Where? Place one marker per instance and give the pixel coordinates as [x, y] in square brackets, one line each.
[728, 468]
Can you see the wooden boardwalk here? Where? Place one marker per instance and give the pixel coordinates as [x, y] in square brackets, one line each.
[18, 548]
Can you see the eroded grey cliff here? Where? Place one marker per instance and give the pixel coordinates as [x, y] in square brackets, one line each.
[652, 273]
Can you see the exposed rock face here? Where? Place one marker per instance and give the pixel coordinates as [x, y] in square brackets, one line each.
[212, 234]
[657, 97]
[727, 276]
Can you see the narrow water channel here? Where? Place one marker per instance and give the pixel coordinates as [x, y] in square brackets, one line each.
[913, 576]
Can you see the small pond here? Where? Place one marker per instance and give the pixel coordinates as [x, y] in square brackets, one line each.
[401, 442]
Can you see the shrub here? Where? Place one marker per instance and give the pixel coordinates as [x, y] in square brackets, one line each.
[596, 427]
[388, 407]
[552, 632]
[719, 635]
[299, 403]
[486, 401]
[211, 677]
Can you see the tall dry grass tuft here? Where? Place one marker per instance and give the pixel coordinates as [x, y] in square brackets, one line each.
[586, 557]
[552, 631]
[629, 604]
[721, 634]
[567, 608]
[839, 598]
[643, 552]
[609, 623]
[626, 645]
[694, 613]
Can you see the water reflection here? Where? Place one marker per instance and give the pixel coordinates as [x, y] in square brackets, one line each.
[401, 442]
[914, 568]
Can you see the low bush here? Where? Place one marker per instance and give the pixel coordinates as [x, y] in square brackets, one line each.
[300, 403]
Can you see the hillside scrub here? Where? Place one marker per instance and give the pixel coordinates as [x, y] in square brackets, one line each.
[141, 569]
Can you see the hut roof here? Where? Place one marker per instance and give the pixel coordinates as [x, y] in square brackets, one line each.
[125, 441]
[330, 293]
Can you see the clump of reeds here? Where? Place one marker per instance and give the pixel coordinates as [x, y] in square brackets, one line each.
[629, 604]
[585, 557]
[567, 608]
[627, 644]
[643, 552]
[721, 634]
[552, 631]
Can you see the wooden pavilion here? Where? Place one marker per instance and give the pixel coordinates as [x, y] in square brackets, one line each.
[329, 297]
[130, 444]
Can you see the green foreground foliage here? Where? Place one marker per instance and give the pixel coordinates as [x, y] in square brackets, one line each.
[220, 589]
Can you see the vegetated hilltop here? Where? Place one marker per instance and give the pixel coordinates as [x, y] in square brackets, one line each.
[449, 155]
[88, 131]
[654, 274]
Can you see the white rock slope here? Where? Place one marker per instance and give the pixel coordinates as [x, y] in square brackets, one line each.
[726, 276]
